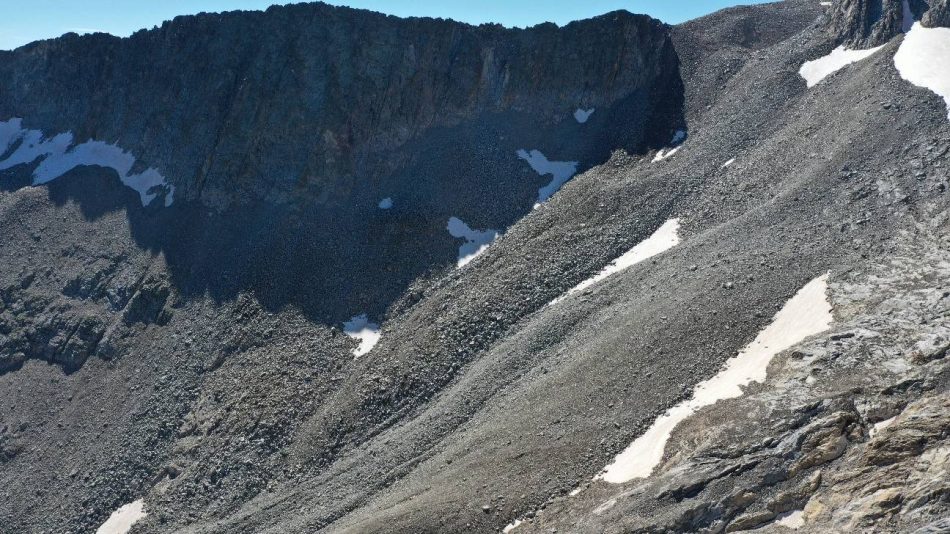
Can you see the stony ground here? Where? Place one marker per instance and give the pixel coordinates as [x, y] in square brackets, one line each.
[482, 405]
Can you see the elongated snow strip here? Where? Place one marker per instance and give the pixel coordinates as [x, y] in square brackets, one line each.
[807, 313]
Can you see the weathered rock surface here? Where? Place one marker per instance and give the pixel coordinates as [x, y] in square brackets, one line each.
[868, 23]
[191, 356]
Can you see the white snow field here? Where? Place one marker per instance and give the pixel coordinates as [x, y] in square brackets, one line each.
[818, 69]
[561, 172]
[583, 115]
[476, 241]
[366, 332]
[807, 313]
[923, 59]
[121, 520]
[60, 155]
[663, 239]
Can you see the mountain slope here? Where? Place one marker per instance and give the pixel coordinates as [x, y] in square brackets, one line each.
[495, 390]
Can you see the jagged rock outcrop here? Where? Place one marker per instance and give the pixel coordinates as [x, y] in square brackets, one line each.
[938, 15]
[869, 23]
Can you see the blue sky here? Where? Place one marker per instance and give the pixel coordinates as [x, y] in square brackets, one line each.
[22, 21]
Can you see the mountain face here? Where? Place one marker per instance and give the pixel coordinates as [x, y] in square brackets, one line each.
[627, 277]
[277, 136]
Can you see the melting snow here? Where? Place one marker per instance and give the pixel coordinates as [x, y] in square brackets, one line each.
[806, 314]
[366, 332]
[60, 155]
[665, 238]
[561, 171]
[923, 59]
[476, 241]
[582, 115]
[817, 70]
[121, 520]
[386, 203]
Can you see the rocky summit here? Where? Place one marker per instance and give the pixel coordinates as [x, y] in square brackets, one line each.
[317, 269]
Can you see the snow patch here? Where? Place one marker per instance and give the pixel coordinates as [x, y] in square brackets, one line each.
[366, 332]
[512, 526]
[386, 203]
[121, 520]
[878, 427]
[807, 313]
[675, 143]
[582, 115]
[665, 153]
[793, 520]
[817, 70]
[59, 155]
[923, 59]
[665, 238]
[560, 171]
[476, 241]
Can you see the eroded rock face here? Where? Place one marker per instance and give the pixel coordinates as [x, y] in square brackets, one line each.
[869, 23]
[938, 15]
[315, 102]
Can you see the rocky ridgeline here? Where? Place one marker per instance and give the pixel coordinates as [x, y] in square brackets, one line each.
[316, 101]
[869, 23]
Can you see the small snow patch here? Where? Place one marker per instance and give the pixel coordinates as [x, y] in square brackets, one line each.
[878, 427]
[807, 313]
[366, 332]
[512, 526]
[582, 115]
[675, 145]
[476, 241]
[923, 59]
[665, 153]
[792, 520]
[817, 70]
[665, 238]
[60, 155]
[121, 520]
[561, 172]
[386, 203]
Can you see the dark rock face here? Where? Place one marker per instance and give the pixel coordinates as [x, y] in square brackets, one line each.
[938, 15]
[869, 23]
[318, 102]
[283, 130]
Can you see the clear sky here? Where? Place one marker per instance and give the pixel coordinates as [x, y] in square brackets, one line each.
[22, 21]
